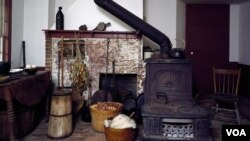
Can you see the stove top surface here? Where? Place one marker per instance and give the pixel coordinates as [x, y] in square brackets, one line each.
[175, 109]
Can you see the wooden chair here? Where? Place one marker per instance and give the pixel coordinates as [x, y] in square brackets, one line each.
[226, 85]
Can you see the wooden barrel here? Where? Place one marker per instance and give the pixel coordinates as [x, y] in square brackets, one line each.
[60, 119]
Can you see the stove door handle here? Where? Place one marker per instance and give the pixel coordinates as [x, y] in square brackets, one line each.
[162, 94]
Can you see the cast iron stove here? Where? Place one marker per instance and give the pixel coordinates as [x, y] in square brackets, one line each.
[169, 111]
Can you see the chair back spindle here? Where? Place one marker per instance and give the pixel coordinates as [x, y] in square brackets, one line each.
[226, 81]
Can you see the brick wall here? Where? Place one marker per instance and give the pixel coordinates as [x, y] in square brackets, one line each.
[125, 50]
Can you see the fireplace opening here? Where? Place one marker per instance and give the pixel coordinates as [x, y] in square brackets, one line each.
[121, 86]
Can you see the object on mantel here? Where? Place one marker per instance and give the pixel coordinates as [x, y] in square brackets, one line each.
[83, 27]
[59, 19]
[102, 26]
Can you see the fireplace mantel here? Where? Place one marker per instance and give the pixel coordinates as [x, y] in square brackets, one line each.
[92, 34]
[124, 48]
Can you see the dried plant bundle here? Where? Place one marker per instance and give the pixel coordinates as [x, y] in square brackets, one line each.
[79, 71]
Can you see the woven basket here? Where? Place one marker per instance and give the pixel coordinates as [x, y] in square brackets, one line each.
[99, 115]
[127, 134]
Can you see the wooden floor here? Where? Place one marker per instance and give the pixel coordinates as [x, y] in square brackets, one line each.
[83, 131]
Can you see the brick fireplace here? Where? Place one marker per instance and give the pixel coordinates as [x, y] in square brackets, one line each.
[99, 49]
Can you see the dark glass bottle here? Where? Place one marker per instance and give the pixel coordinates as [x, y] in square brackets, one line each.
[59, 19]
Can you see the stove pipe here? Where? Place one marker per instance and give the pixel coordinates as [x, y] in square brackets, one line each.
[135, 22]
